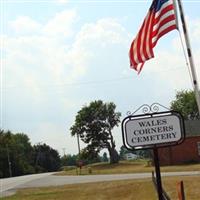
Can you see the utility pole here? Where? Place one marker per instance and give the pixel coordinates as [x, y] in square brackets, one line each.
[79, 153]
[9, 162]
[63, 151]
[79, 150]
[38, 153]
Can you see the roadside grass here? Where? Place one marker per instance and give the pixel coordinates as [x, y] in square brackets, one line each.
[107, 168]
[138, 166]
[128, 189]
[117, 190]
[191, 186]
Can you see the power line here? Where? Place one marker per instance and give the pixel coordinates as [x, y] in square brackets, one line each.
[74, 83]
[96, 82]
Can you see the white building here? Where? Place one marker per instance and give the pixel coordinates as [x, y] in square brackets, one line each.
[130, 156]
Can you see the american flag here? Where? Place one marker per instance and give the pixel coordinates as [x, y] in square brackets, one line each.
[160, 19]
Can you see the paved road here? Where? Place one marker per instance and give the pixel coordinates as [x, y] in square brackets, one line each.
[10, 185]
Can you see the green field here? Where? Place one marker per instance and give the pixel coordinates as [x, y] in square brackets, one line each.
[138, 166]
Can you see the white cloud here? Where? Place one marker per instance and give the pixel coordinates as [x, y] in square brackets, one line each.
[62, 1]
[95, 40]
[195, 26]
[40, 55]
[106, 31]
[45, 57]
[25, 25]
[61, 24]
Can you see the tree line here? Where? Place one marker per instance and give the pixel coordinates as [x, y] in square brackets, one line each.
[19, 157]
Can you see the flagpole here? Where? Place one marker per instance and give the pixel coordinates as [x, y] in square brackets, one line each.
[190, 57]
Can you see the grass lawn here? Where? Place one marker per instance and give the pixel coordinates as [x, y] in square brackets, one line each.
[191, 186]
[116, 190]
[127, 167]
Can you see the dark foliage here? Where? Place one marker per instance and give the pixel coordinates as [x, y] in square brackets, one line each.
[18, 157]
[186, 104]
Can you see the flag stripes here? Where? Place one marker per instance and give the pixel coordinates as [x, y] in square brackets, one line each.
[160, 20]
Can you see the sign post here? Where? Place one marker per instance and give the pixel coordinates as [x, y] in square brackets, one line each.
[153, 130]
[158, 176]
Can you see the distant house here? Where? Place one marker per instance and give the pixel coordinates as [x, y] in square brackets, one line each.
[188, 151]
[130, 156]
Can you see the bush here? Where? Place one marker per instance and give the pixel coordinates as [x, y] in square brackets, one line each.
[67, 168]
[191, 162]
[89, 170]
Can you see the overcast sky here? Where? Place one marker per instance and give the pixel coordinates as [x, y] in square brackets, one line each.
[57, 56]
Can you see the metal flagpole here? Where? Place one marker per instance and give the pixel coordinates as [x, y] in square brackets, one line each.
[189, 53]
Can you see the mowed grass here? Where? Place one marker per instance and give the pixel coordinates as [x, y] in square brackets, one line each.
[122, 167]
[117, 190]
[191, 186]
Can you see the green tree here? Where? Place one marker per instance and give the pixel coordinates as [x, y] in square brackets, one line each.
[89, 155]
[15, 154]
[144, 153]
[123, 151]
[186, 104]
[46, 159]
[22, 155]
[105, 157]
[94, 124]
[69, 160]
[5, 141]
[19, 157]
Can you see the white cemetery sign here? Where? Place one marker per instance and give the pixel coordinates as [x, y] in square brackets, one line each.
[148, 130]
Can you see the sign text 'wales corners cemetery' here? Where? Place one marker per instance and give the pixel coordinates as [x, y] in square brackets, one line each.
[148, 130]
